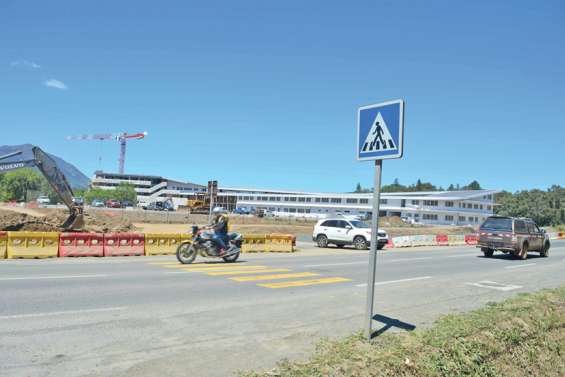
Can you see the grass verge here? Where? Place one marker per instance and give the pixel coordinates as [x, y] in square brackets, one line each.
[523, 336]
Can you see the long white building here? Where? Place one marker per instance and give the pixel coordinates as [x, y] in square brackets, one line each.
[437, 207]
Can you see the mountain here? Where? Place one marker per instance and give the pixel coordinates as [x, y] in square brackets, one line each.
[75, 177]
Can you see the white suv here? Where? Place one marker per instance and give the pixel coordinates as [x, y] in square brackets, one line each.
[342, 232]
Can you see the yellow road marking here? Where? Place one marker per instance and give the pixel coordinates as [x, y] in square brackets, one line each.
[204, 269]
[240, 272]
[300, 283]
[274, 277]
[210, 266]
[162, 263]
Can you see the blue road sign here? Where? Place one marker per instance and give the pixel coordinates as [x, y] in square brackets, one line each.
[380, 131]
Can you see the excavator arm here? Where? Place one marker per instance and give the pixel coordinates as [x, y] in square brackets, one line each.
[35, 157]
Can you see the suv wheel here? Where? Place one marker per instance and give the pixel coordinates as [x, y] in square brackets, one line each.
[322, 240]
[545, 251]
[360, 243]
[524, 251]
[487, 252]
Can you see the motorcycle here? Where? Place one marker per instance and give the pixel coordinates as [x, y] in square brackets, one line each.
[203, 244]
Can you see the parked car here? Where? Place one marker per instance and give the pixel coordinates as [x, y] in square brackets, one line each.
[341, 232]
[241, 211]
[126, 203]
[113, 203]
[43, 199]
[516, 236]
[78, 201]
[97, 203]
[166, 205]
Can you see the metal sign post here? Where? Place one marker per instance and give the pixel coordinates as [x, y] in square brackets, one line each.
[380, 133]
[373, 250]
[213, 191]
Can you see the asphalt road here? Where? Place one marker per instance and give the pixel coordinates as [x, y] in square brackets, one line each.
[137, 316]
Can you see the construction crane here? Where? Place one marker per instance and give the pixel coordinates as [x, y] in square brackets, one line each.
[121, 137]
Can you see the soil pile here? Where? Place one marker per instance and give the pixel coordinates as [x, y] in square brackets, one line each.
[52, 221]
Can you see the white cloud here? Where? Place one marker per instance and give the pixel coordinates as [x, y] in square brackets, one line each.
[25, 63]
[52, 83]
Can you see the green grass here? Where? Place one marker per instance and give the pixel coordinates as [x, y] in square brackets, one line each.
[523, 336]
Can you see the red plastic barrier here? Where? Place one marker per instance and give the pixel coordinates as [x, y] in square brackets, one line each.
[442, 239]
[389, 244]
[561, 235]
[471, 239]
[124, 244]
[81, 245]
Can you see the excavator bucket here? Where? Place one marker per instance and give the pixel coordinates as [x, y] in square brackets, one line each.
[75, 221]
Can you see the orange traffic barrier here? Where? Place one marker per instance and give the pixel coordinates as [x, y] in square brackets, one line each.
[471, 239]
[124, 244]
[442, 239]
[81, 245]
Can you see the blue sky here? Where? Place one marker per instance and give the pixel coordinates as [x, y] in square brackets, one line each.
[264, 94]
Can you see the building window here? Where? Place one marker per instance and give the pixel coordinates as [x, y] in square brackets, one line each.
[384, 201]
[300, 210]
[292, 198]
[430, 203]
[325, 200]
[461, 218]
[286, 198]
[301, 199]
[476, 206]
[481, 206]
[364, 201]
[351, 201]
[449, 204]
[448, 218]
[428, 216]
[489, 208]
[272, 199]
[293, 210]
[317, 200]
[336, 200]
[308, 200]
[307, 210]
[415, 202]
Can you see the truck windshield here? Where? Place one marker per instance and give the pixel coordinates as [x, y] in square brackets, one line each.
[498, 223]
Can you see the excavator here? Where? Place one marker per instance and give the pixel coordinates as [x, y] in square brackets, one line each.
[32, 156]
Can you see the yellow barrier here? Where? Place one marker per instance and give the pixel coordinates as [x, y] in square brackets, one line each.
[33, 244]
[253, 243]
[164, 243]
[3, 244]
[280, 243]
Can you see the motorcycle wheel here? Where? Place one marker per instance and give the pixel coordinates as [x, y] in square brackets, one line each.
[231, 258]
[186, 253]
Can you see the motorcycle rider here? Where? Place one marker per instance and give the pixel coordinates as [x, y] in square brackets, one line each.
[220, 227]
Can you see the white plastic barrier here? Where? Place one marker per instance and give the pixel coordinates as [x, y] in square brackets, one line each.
[456, 239]
[402, 241]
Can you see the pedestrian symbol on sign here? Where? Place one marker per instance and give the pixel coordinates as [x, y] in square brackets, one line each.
[379, 138]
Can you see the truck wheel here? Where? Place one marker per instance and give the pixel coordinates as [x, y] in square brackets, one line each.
[524, 251]
[545, 251]
[322, 240]
[360, 243]
[487, 252]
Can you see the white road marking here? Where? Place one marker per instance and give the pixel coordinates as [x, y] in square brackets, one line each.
[55, 277]
[396, 281]
[410, 259]
[32, 315]
[521, 265]
[461, 256]
[334, 264]
[494, 285]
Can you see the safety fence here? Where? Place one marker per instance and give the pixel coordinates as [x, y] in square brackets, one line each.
[15, 245]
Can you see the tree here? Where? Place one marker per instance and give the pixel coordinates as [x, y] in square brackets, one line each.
[358, 188]
[451, 187]
[16, 184]
[474, 185]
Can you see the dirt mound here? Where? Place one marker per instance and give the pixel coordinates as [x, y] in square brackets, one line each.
[51, 222]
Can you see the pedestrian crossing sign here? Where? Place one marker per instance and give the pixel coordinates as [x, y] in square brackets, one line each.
[380, 131]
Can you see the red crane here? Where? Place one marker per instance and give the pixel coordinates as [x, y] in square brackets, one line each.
[121, 137]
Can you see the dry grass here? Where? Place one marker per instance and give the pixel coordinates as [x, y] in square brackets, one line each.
[523, 336]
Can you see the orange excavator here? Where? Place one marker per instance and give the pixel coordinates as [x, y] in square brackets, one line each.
[32, 156]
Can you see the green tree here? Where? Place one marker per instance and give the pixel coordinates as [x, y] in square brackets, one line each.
[16, 184]
[358, 188]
